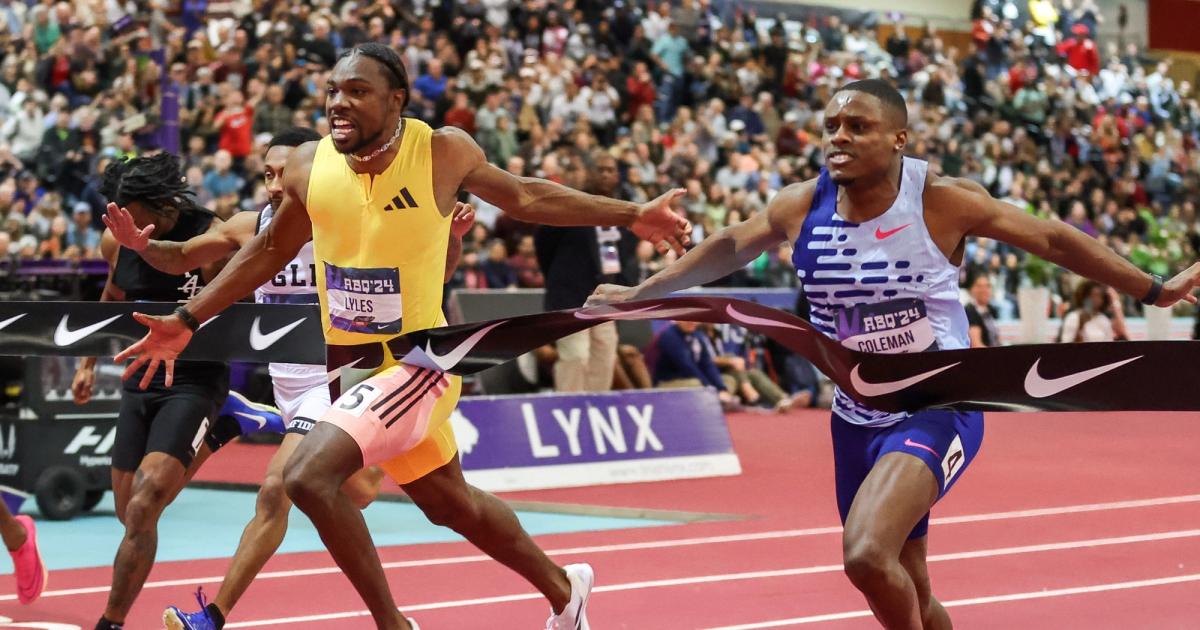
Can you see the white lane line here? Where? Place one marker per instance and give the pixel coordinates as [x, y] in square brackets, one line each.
[976, 601]
[732, 577]
[655, 544]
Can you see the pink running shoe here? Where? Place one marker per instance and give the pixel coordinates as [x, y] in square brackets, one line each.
[31, 571]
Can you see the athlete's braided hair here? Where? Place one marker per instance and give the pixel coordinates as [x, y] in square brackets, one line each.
[156, 181]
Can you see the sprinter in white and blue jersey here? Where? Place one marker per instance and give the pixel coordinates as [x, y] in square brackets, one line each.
[878, 242]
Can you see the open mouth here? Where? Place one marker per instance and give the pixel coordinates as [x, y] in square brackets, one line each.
[839, 158]
[340, 128]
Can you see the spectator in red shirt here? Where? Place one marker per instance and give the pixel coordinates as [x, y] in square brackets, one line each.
[461, 115]
[640, 89]
[235, 124]
[1081, 51]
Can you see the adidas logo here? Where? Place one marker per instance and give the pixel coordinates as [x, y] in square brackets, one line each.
[401, 201]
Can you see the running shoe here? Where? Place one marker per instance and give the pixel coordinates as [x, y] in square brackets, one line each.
[175, 619]
[251, 416]
[574, 614]
[27, 561]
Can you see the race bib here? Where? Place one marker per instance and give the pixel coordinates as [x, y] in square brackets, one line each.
[891, 327]
[364, 300]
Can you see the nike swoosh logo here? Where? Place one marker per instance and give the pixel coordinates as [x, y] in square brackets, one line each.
[260, 342]
[262, 422]
[882, 389]
[760, 321]
[64, 336]
[646, 312]
[336, 373]
[1039, 387]
[4, 324]
[880, 234]
[909, 442]
[451, 359]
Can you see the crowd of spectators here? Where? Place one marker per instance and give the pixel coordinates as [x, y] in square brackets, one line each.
[701, 94]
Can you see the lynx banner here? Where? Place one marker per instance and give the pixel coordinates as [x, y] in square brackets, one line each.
[1150, 376]
[564, 440]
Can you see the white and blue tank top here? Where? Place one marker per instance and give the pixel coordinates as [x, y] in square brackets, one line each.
[881, 285]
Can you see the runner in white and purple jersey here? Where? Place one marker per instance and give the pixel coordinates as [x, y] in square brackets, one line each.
[878, 242]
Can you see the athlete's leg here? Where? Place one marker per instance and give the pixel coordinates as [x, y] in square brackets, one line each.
[313, 478]
[263, 533]
[912, 557]
[489, 524]
[122, 485]
[154, 485]
[11, 530]
[895, 496]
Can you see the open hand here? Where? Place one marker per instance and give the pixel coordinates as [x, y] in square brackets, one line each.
[463, 221]
[123, 228]
[1180, 287]
[658, 223]
[168, 337]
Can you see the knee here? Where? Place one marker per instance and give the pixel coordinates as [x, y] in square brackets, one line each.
[865, 561]
[148, 500]
[458, 511]
[305, 488]
[272, 499]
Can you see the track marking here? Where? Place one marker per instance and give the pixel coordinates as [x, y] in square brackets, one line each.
[975, 601]
[657, 544]
[732, 577]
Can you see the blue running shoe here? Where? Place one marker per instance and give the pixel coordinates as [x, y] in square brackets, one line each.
[175, 619]
[251, 416]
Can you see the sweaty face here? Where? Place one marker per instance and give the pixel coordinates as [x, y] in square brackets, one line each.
[860, 138]
[361, 104]
[273, 164]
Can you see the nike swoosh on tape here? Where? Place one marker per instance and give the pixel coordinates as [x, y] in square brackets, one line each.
[1039, 387]
[888, 387]
[262, 422]
[451, 359]
[760, 321]
[880, 234]
[64, 336]
[260, 342]
[4, 324]
[336, 372]
[646, 312]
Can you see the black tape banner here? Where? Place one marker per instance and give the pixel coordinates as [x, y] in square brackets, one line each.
[255, 333]
[1120, 376]
[1160, 375]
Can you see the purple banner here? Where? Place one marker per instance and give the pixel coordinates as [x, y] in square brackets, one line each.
[563, 440]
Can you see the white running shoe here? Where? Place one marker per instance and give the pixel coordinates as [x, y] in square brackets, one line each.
[574, 615]
[413, 622]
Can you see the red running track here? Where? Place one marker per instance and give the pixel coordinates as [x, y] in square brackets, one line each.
[1063, 521]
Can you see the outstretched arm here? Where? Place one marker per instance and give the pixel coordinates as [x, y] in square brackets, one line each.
[176, 257]
[724, 252]
[544, 202]
[253, 265]
[976, 213]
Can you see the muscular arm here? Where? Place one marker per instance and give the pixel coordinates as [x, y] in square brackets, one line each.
[267, 253]
[528, 198]
[222, 239]
[735, 246]
[976, 213]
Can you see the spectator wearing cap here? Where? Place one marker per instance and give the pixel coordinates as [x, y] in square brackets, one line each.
[81, 234]
[1080, 51]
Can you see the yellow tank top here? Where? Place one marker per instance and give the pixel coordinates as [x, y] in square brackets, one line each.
[380, 242]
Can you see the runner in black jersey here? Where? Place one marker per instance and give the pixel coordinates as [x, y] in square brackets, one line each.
[160, 431]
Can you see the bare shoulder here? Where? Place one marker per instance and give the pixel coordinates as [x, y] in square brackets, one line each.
[790, 206]
[953, 187]
[241, 226]
[299, 168]
[450, 140]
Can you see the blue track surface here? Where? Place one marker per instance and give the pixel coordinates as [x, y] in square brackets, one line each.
[208, 523]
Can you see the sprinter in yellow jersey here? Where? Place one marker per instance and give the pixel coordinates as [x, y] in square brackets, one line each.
[376, 199]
